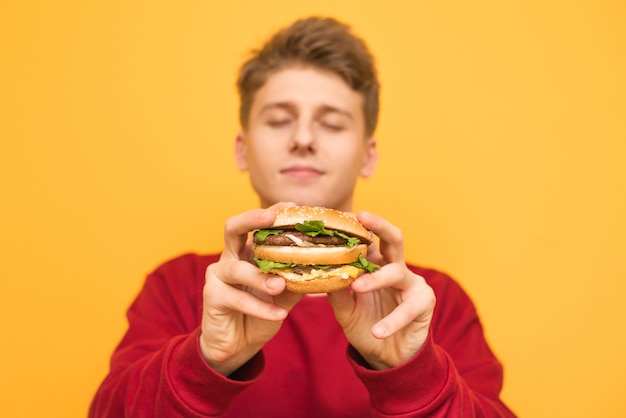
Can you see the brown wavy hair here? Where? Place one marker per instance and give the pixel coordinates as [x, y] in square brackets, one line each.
[323, 43]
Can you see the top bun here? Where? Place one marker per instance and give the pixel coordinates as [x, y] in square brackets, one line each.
[332, 218]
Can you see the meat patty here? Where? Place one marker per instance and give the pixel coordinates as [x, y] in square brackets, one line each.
[281, 239]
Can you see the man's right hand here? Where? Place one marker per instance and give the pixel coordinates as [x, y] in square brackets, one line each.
[243, 308]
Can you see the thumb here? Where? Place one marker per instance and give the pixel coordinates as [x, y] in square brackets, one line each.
[288, 299]
[373, 253]
[342, 302]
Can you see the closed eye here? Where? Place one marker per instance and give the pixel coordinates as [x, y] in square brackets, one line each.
[333, 127]
[277, 123]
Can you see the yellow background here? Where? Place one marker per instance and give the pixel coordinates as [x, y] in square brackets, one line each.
[502, 138]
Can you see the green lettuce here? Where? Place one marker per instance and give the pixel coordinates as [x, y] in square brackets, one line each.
[362, 263]
[315, 228]
[266, 265]
[262, 234]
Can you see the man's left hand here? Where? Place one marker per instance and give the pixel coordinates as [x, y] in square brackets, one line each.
[386, 314]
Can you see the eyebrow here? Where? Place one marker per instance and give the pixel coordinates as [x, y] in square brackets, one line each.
[280, 105]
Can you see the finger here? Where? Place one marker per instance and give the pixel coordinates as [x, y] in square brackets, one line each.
[288, 299]
[342, 302]
[239, 300]
[236, 228]
[247, 252]
[391, 238]
[240, 287]
[394, 275]
[281, 205]
[242, 274]
[374, 255]
[416, 309]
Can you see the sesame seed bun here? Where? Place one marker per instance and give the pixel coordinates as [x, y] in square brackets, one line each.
[333, 219]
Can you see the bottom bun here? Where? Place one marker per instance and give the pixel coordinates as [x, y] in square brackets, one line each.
[319, 281]
[325, 285]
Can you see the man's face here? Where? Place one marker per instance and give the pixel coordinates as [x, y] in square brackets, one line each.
[305, 141]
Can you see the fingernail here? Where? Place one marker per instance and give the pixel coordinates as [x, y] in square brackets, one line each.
[379, 330]
[361, 281]
[280, 313]
[273, 282]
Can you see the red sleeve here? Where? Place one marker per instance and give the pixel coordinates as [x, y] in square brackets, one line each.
[157, 370]
[454, 374]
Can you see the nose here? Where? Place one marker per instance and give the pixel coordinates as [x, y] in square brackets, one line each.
[303, 138]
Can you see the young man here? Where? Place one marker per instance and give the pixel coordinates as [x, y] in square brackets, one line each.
[212, 336]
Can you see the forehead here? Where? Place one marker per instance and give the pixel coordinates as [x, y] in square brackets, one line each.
[308, 87]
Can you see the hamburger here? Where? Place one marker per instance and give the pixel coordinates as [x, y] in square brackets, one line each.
[315, 249]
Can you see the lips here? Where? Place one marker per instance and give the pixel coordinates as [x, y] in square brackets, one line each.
[302, 172]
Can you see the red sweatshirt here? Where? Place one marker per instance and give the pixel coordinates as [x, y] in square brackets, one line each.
[307, 370]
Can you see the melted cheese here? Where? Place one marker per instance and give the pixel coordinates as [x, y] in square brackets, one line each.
[345, 272]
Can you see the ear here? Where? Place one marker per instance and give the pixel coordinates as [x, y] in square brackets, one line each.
[370, 158]
[241, 159]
